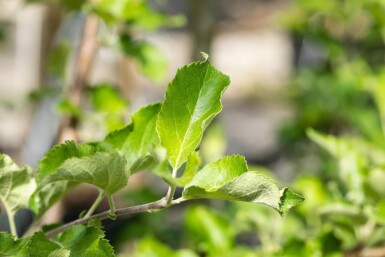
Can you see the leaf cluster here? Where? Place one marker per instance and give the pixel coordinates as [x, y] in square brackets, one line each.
[162, 138]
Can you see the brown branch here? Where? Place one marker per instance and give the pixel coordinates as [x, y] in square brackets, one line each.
[85, 57]
[148, 207]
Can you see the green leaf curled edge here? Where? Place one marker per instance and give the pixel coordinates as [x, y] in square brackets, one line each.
[229, 179]
[16, 185]
[288, 200]
[106, 171]
[192, 100]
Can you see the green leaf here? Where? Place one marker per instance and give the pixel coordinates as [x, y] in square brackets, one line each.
[152, 61]
[55, 157]
[86, 241]
[16, 185]
[48, 195]
[138, 138]
[192, 167]
[209, 231]
[229, 179]
[76, 241]
[40, 246]
[192, 101]
[288, 200]
[9, 246]
[163, 171]
[106, 98]
[107, 171]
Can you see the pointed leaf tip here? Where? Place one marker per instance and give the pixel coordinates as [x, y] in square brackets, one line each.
[205, 56]
[288, 200]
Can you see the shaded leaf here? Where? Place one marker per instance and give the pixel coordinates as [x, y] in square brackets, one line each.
[16, 185]
[192, 100]
[138, 138]
[76, 241]
[48, 195]
[288, 200]
[40, 246]
[163, 171]
[107, 171]
[86, 241]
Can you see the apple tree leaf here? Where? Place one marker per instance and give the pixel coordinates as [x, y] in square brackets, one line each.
[192, 100]
[229, 179]
[16, 185]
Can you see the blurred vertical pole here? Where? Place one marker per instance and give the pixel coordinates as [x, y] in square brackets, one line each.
[82, 67]
[53, 17]
[202, 26]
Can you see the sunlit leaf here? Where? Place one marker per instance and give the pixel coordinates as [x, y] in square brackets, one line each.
[192, 100]
[229, 179]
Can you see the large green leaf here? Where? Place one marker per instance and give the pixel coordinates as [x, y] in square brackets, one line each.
[16, 185]
[229, 179]
[138, 138]
[192, 100]
[59, 154]
[107, 171]
[46, 196]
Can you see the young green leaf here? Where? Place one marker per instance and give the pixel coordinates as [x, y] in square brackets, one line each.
[59, 154]
[79, 240]
[40, 246]
[163, 171]
[192, 100]
[229, 179]
[47, 196]
[288, 200]
[138, 138]
[16, 185]
[9, 246]
[86, 241]
[107, 171]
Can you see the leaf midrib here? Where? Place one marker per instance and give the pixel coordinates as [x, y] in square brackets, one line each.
[190, 119]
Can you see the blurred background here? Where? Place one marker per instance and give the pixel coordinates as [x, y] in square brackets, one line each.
[76, 70]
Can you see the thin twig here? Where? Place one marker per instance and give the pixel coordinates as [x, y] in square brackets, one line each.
[148, 207]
